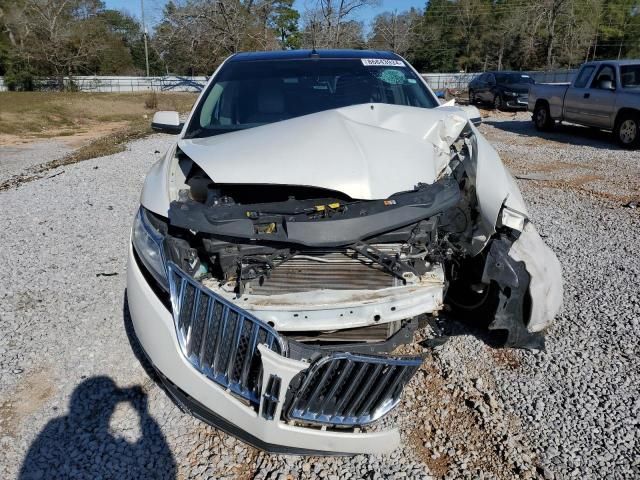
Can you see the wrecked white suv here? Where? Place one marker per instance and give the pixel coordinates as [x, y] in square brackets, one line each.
[316, 208]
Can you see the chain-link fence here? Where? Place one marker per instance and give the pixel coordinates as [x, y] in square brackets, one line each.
[120, 84]
[437, 81]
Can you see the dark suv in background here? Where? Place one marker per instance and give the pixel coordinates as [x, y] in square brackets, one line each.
[501, 89]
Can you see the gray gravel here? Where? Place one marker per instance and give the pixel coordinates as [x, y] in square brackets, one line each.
[76, 403]
[16, 159]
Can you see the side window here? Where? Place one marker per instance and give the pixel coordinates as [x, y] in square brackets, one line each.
[583, 76]
[605, 78]
[491, 78]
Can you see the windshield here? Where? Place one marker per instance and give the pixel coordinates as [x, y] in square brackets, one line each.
[252, 93]
[513, 78]
[630, 76]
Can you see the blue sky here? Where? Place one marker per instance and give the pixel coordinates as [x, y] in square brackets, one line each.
[153, 8]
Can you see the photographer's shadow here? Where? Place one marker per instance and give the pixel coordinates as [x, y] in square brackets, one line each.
[80, 444]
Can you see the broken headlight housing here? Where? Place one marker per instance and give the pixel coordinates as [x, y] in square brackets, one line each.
[147, 241]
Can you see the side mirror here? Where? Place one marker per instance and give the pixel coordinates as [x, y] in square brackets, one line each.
[606, 85]
[166, 122]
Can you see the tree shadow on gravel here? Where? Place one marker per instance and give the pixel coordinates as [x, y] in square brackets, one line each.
[81, 444]
[565, 133]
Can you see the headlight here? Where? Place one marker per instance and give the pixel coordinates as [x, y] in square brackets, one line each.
[511, 94]
[147, 240]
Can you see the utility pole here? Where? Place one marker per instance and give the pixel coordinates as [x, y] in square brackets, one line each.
[144, 29]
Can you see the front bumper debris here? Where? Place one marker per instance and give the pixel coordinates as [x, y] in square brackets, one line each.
[219, 339]
[239, 378]
[351, 390]
[227, 345]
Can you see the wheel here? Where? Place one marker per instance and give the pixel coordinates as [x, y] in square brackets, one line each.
[542, 117]
[472, 97]
[468, 297]
[498, 103]
[627, 131]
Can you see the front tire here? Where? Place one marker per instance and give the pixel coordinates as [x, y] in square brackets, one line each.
[542, 117]
[627, 131]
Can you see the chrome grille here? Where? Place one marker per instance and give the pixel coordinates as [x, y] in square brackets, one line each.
[346, 389]
[219, 339]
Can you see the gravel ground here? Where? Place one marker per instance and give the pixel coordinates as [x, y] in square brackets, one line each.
[76, 403]
[15, 159]
[570, 156]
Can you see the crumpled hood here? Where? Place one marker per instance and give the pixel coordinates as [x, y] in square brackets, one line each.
[366, 151]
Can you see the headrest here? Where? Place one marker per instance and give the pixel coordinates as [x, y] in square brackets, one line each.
[270, 97]
[353, 90]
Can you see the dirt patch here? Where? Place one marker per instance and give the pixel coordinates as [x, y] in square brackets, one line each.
[29, 397]
[458, 418]
[98, 147]
[507, 359]
[31, 115]
[94, 124]
[558, 166]
[582, 180]
[584, 184]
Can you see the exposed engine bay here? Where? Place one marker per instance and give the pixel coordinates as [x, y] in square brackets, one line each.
[327, 269]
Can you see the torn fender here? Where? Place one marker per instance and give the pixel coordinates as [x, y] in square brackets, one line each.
[529, 286]
[545, 286]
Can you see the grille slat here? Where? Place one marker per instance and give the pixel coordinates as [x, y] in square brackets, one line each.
[348, 390]
[253, 343]
[205, 333]
[351, 390]
[196, 324]
[336, 385]
[371, 399]
[364, 390]
[315, 395]
[219, 339]
[235, 340]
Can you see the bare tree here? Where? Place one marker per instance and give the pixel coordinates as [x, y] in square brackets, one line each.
[394, 31]
[61, 36]
[331, 23]
[555, 12]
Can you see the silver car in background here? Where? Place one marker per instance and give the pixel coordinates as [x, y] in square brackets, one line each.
[604, 94]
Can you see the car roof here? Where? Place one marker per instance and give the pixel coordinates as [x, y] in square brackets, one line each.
[303, 54]
[614, 62]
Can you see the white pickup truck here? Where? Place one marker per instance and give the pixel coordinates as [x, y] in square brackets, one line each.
[604, 94]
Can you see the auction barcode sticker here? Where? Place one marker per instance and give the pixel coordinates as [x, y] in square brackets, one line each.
[382, 62]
